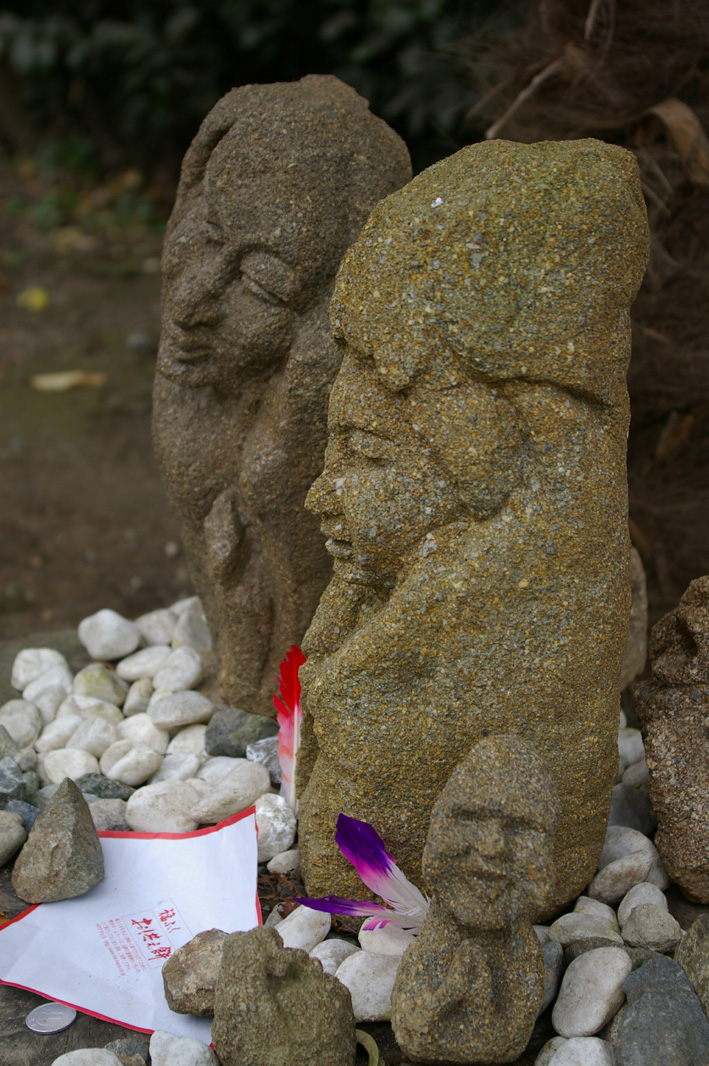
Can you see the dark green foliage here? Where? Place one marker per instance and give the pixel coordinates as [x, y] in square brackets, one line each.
[133, 79]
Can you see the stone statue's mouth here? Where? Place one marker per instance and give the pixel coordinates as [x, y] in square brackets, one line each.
[341, 549]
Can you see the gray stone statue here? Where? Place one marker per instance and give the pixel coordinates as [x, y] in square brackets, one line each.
[274, 1006]
[475, 498]
[470, 985]
[275, 187]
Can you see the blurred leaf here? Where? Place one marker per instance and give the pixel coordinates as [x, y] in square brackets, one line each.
[63, 380]
[34, 299]
[688, 137]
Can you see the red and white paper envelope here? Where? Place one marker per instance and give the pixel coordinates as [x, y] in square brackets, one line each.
[103, 952]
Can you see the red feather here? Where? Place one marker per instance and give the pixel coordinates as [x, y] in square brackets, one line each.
[289, 715]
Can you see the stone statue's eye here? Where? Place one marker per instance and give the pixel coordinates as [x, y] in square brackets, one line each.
[213, 232]
[268, 277]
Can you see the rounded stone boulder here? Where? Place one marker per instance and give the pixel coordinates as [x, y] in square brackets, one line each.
[31, 663]
[579, 926]
[189, 741]
[144, 663]
[22, 720]
[157, 627]
[88, 1056]
[97, 681]
[12, 835]
[163, 807]
[237, 790]
[644, 892]
[174, 710]
[68, 762]
[583, 1051]
[276, 825]
[138, 698]
[129, 762]
[169, 1050]
[332, 953]
[93, 735]
[190, 975]
[181, 670]
[650, 926]
[304, 928]
[108, 635]
[370, 980]
[591, 992]
[141, 729]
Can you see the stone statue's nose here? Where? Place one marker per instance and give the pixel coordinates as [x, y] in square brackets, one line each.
[196, 295]
[491, 841]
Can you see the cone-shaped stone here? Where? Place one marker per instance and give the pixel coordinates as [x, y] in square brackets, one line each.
[62, 857]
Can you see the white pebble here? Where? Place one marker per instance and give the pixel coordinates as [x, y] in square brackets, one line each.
[56, 734]
[176, 767]
[192, 630]
[138, 697]
[49, 701]
[241, 787]
[157, 627]
[304, 928]
[89, 707]
[107, 813]
[621, 841]
[169, 1050]
[200, 787]
[107, 635]
[180, 606]
[216, 768]
[100, 683]
[93, 735]
[68, 762]
[31, 663]
[583, 1051]
[649, 926]
[88, 1056]
[622, 720]
[129, 763]
[56, 677]
[612, 882]
[163, 807]
[286, 862]
[586, 905]
[177, 709]
[637, 774]
[630, 746]
[12, 835]
[370, 979]
[276, 825]
[641, 893]
[657, 874]
[591, 992]
[189, 741]
[332, 953]
[140, 728]
[144, 663]
[384, 940]
[549, 1050]
[578, 926]
[22, 721]
[182, 670]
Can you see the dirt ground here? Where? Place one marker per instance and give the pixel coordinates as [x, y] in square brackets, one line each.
[84, 523]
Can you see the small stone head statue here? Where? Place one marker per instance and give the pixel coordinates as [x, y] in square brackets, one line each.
[470, 986]
[488, 854]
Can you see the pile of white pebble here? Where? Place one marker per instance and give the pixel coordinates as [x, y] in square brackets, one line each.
[134, 717]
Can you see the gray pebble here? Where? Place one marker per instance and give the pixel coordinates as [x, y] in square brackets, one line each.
[630, 807]
[27, 812]
[266, 752]
[13, 784]
[231, 731]
[102, 786]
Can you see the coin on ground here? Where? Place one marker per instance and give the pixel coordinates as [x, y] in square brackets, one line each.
[50, 1018]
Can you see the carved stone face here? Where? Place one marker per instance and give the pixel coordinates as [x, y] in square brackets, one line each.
[380, 491]
[495, 870]
[489, 848]
[246, 257]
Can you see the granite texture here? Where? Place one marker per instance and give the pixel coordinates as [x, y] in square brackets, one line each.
[474, 496]
[190, 975]
[274, 1006]
[62, 857]
[663, 1023]
[470, 986]
[693, 956]
[673, 709]
[275, 187]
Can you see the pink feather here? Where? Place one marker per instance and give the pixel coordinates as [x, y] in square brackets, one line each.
[289, 716]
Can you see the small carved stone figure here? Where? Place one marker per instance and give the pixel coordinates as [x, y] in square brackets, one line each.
[275, 187]
[475, 498]
[275, 1006]
[673, 708]
[470, 985]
